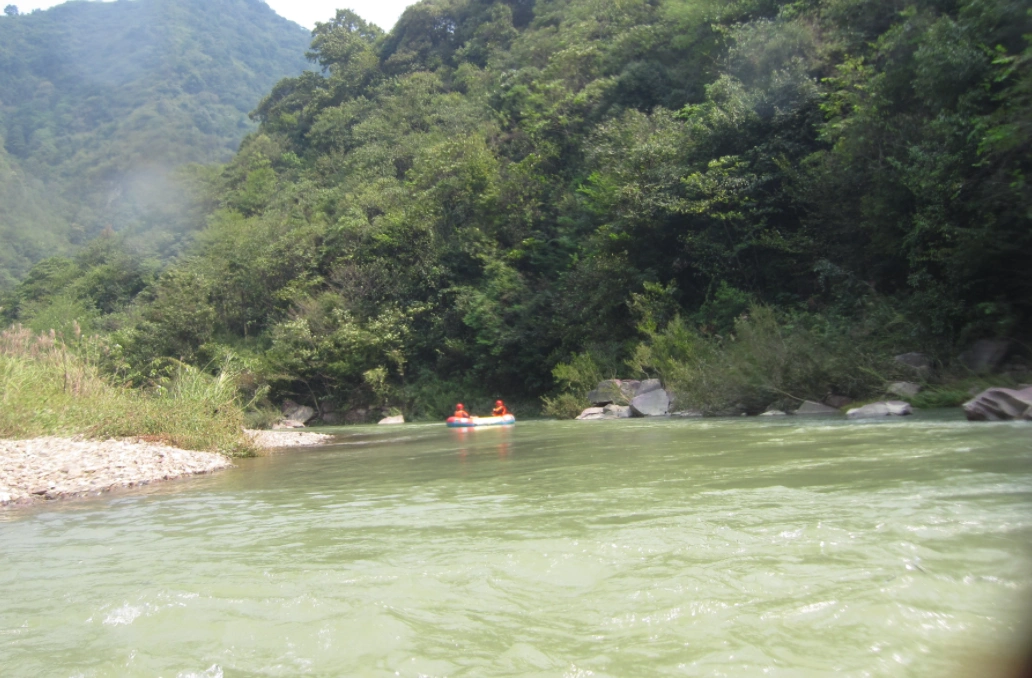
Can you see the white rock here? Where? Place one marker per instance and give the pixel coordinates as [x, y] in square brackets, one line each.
[888, 408]
[651, 404]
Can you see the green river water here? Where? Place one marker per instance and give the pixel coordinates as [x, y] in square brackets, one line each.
[749, 547]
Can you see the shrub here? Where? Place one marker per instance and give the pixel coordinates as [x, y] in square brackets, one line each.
[564, 406]
[940, 397]
[765, 359]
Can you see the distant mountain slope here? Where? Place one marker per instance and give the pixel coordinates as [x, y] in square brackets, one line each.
[100, 101]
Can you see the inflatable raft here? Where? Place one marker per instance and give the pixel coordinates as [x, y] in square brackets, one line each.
[466, 422]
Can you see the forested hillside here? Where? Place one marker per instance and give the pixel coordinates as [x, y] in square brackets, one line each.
[504, 197]
[100, 103]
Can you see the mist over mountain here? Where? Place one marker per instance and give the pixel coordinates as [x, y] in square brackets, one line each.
[101, 103]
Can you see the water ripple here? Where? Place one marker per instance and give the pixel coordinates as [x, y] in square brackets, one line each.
[673, 548]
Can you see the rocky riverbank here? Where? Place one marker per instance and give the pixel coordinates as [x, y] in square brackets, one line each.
[57, 468]
[288, 438]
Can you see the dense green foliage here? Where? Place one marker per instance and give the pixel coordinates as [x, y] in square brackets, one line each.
[496, 187]
[100, 102]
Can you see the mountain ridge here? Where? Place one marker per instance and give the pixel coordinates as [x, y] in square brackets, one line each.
[91, 94]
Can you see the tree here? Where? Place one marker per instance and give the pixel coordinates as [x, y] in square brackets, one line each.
[11, 10]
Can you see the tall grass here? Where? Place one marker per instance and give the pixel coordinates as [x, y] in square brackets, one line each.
[47, 389]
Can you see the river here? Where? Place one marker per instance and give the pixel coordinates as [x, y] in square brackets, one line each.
[750, 547]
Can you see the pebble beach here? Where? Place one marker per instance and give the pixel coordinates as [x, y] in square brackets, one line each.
[57, 468]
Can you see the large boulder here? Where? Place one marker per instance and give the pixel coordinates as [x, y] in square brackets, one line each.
[302, 413]
[651, 404]
[647, 386]
[1000, 404]
[985, 355]
[391, 421]
[809, 407]
[629, 388]
[616, 412]
[621, 391]
[606, 392]
[888, 408]
[903, 389]
[592, 413]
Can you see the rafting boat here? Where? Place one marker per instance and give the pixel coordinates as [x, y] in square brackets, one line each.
[467, 422]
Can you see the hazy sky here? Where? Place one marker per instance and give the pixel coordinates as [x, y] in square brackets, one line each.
[383, 13]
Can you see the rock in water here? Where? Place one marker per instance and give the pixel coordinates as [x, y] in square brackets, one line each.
[810, 407]
[592, 413]
[888, 408]
[651, 404]
[1000, 404]
[773, 413]
[387, 421]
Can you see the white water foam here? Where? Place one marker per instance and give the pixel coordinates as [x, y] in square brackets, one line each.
[214, 671]
[126, 615]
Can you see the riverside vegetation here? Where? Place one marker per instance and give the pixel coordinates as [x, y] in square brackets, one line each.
[48, 388]
[756, 201]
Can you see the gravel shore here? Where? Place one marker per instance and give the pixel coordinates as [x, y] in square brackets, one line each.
[273, 439]
[55, 468]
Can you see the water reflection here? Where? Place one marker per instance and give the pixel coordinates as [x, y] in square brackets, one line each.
[475, 439]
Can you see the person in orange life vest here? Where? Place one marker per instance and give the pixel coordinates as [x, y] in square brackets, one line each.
[499, 409]
[460, 412]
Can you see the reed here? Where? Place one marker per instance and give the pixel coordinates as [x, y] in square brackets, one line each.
[48, 389]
